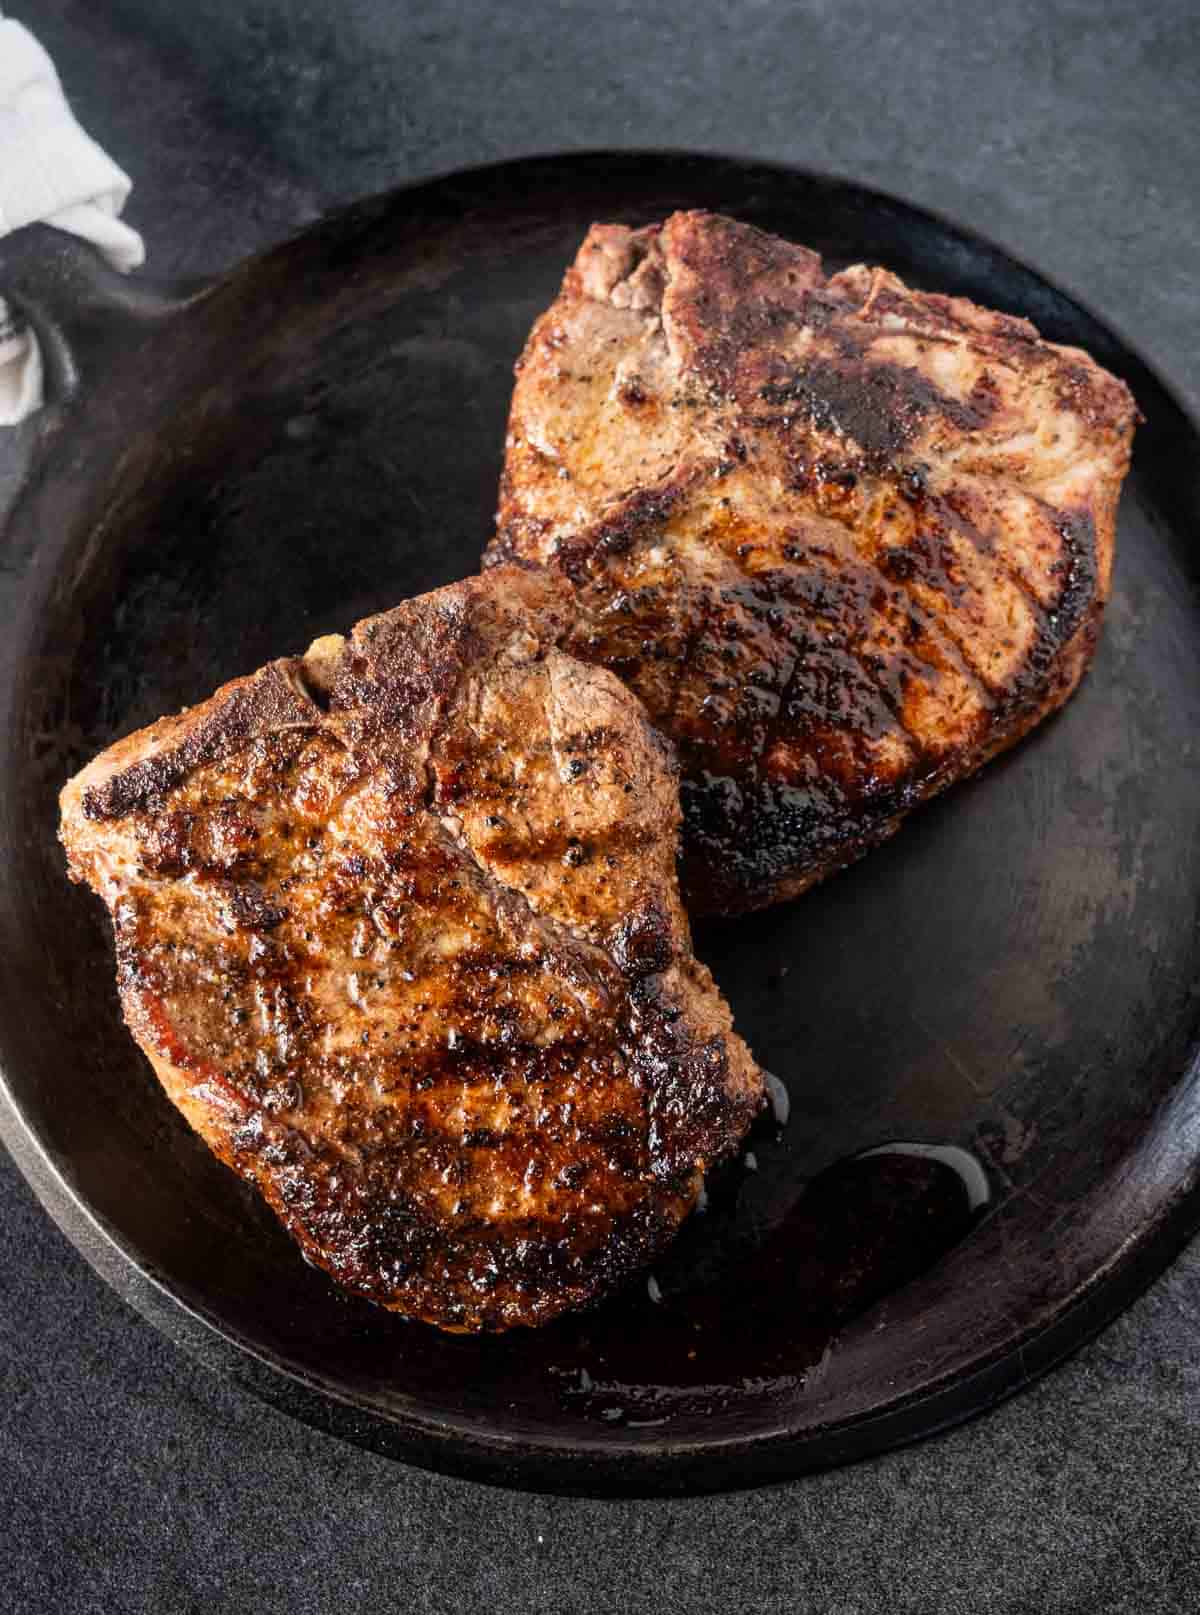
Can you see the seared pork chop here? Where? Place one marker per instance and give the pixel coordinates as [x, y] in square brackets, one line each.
[846, 540]
[397, 925]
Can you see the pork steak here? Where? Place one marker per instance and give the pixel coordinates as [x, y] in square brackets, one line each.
[846, 540]
[397, 925]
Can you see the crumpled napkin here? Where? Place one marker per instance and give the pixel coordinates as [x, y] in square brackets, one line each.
[51, 172]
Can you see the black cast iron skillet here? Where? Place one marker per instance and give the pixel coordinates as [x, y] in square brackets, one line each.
[318, 435]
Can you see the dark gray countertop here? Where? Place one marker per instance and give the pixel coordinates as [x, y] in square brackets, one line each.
[133, 1480]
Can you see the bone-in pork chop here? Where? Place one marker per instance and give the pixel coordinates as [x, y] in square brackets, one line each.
[397, 925]
[846, 540]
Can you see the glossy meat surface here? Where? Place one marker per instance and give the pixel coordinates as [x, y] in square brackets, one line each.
[398, 926]
[846, 540]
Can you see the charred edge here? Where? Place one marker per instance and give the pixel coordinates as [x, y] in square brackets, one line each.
[267, 701]
[795, 834]
[377, 1240]
[777, 829]
[790, 830]
[790, 835]
[682, 1078]
[728, 815]
[1077, 597]
[643, 944]
[1081, 568]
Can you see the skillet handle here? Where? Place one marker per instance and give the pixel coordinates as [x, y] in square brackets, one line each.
[77, 303]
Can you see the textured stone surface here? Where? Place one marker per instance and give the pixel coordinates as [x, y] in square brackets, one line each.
[133, 1480]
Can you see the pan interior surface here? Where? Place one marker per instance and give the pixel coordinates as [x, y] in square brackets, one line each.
[1016, 975]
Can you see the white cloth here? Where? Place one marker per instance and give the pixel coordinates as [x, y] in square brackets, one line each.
[50, 171]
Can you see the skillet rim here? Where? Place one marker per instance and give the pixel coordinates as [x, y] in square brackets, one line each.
[608, 1467]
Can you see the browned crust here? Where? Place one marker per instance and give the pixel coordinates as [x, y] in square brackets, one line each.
[397, 926]
[847, 541]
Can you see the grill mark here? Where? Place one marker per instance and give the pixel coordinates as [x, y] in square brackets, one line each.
[560, 1062]
[1065, 522]
[973, 672]
[750, 808]
[985, 548]
[871, 674]
[917, 781]
[844, 339]
[991, 692]
[549, 848]
[507, 897]
[916, 775]
[348, 1173]
[553, 848]
[627, 522]
[435, 1072]
[564, 937]
[705, 617]
[1050, 633]
[849, 405]
[937, 627]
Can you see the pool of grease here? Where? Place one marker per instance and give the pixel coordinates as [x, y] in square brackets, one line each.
[746, 1305]
[732, 1291]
